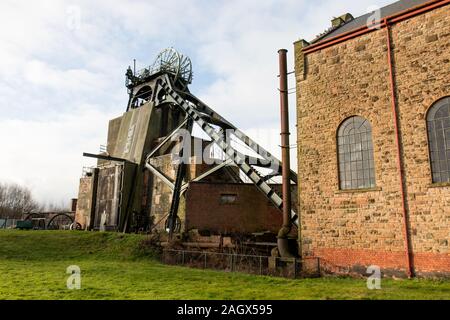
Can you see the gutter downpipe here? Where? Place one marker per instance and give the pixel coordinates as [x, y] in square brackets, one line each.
[408, 257]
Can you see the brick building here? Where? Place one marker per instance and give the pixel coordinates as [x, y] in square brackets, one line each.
[232, 208]
[375, 91]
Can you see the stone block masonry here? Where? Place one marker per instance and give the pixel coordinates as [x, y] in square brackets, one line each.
[350, 230]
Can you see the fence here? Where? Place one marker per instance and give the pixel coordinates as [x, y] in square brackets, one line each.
[252, 264]
[8, 223]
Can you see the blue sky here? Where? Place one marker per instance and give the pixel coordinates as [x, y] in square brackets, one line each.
[62, 66]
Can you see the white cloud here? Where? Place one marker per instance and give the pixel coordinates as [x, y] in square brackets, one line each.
[47, 156]
[78, 81]
[62, 66]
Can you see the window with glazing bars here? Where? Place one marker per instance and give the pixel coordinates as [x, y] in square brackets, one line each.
[438, 123]
[355, 148]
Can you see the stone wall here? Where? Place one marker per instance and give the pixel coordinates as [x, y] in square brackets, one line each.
[84, 205]
[352, 230]
[108, 194]
[422, 63]
[160, 195]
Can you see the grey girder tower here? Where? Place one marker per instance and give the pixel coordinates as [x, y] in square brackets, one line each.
[165, 84]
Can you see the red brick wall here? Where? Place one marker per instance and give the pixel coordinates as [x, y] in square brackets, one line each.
[392, 263]
[251, 212]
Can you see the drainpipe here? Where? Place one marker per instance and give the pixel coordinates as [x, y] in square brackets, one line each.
[283, 242]
[409, 268]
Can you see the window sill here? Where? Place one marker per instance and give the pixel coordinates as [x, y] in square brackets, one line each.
[439, 185]
[376, 189]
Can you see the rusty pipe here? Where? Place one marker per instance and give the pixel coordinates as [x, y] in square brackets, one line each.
[407, 241]
[285, 154]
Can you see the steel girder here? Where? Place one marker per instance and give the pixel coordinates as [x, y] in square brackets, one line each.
[196, 113]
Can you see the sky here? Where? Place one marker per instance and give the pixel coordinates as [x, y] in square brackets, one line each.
[63, 64]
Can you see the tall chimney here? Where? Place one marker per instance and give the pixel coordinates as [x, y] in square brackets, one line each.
[283, 246]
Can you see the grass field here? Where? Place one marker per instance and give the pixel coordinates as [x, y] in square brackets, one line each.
[113, 266]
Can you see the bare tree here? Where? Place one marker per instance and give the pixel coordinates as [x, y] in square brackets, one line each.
[62, 206]
[16, 200]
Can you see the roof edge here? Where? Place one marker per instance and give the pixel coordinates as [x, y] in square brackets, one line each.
[382, 23]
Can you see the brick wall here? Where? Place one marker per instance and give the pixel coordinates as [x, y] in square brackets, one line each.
[250, 212]
[354, 229]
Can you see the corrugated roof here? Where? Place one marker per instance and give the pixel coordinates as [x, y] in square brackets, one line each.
[361, 21]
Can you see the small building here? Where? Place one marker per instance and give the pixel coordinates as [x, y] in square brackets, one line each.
[375, 92]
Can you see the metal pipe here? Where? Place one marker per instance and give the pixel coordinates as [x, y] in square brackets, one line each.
[285, 153]
[103, 157]
[161, 176]
[409, 268]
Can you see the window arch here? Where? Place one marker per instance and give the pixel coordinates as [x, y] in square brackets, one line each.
[141, 97]
[438, 124]
[355, 154]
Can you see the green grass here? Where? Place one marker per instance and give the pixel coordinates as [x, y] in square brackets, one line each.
[114, 266]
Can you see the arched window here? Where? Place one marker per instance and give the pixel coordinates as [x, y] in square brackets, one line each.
[438, 123]
[141, 97]
[355, 148]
